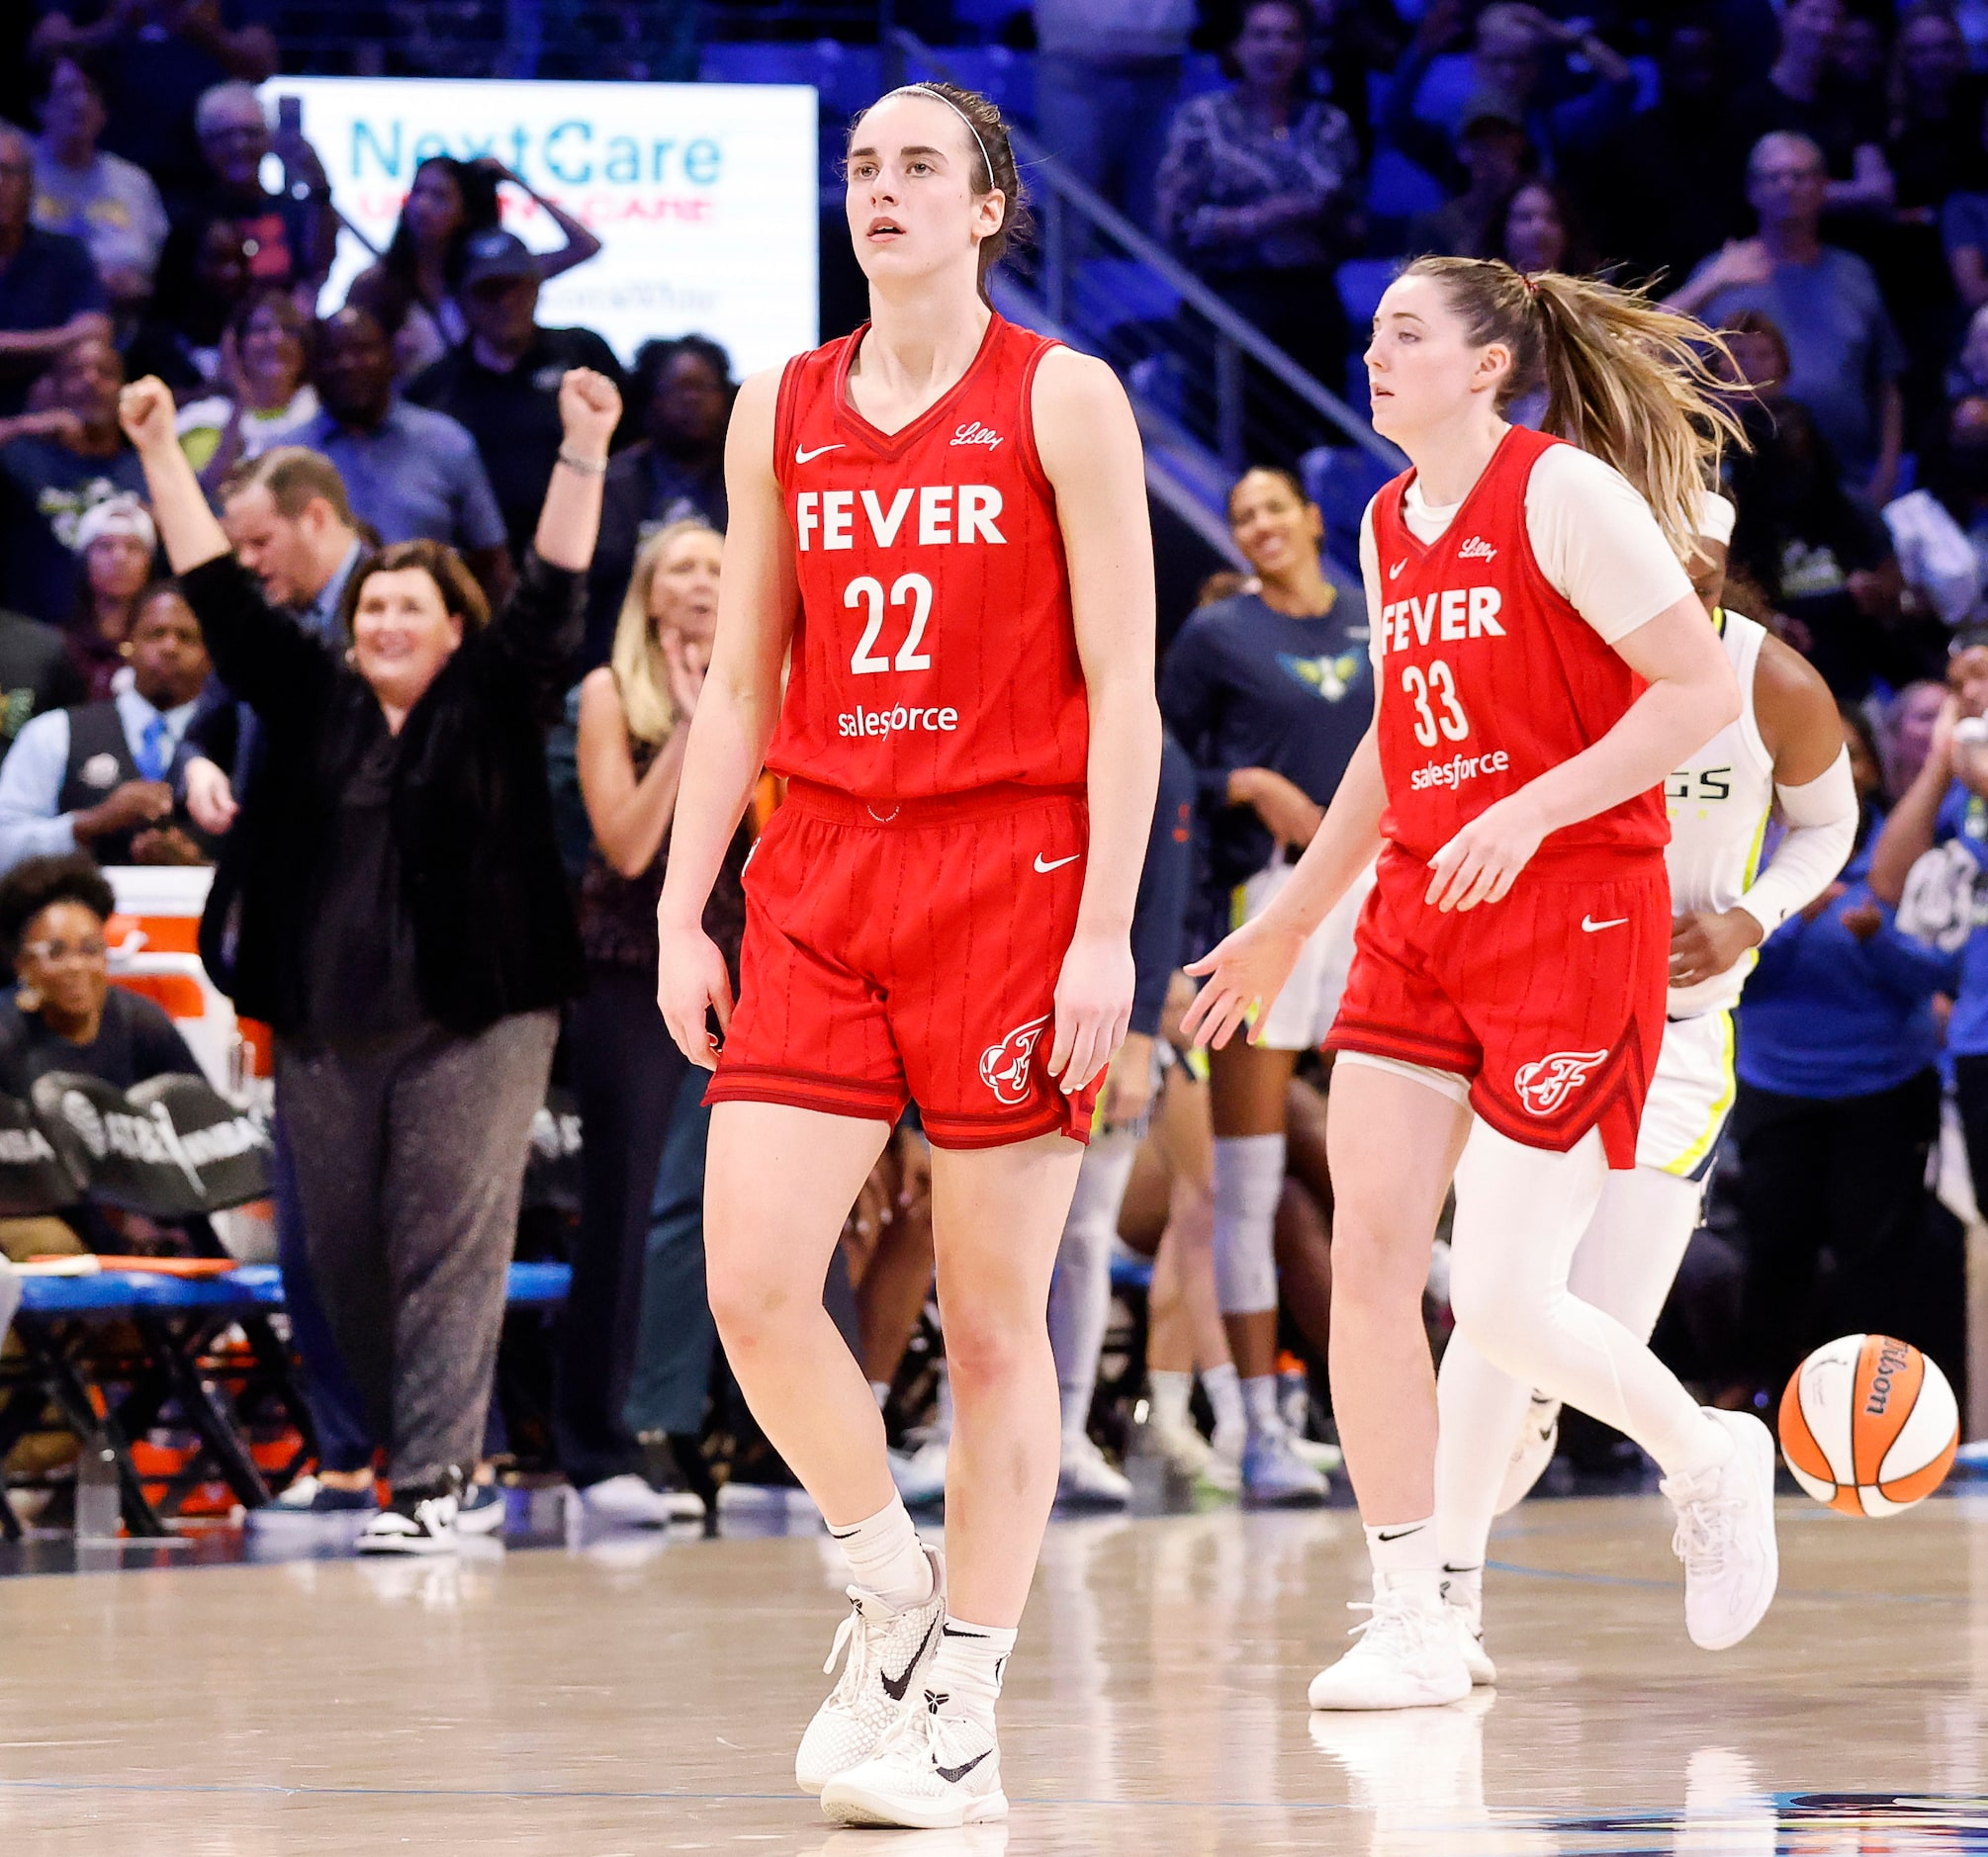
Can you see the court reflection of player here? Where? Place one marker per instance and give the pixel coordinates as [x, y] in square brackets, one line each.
[938, 523]
[1541, 663]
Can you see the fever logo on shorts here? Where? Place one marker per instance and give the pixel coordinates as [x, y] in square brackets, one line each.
[1004, 1067]
[1543, 1086]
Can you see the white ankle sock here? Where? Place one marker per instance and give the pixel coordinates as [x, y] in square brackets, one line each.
[1259, 1403]
[1224, 1393]
[1399, 1549]
[969, 1665]
[884, 1555]
[1464, 1583]
[1169, 1392]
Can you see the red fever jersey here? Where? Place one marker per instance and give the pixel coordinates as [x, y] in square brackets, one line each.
[909, 908]
[1550, 1001]
[1487, 675]
[935, 652]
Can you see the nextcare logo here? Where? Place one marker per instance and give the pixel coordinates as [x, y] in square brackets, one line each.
[571, 151]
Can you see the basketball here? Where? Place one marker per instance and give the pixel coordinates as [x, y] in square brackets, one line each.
[1870, 1425]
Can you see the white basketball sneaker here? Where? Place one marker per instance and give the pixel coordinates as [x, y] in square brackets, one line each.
[1087, 1481]
[1532, 1453]
[1410, 1654]
[1726, 1536]
[886, 1650]
[933, 1770]
[1467, 1613]
[1273, 1476]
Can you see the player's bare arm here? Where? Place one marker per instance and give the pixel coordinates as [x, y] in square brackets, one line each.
[1691, 696]
[735, 719]
[1089, 445]
[1248, 968]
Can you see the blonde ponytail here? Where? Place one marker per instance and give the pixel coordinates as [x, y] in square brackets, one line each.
[1625, 378]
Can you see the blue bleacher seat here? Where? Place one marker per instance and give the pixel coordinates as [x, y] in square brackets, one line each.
[252, 1285]
[1107, 292]
[1362, 282]
[1398, 190]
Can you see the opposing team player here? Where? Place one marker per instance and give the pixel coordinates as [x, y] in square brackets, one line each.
[939, 528]
[1784, 755]
[1542, 663]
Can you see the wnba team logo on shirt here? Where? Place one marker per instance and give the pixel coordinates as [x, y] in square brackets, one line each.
[1004, 1067]
[1543, 1086]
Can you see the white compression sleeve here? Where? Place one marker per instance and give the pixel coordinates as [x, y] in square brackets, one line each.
[1080, 1292]
[1520, 1215]
[1248, 1180]
[1624, 1266]
[1822, 832]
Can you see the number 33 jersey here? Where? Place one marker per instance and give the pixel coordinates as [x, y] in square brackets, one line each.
[934, 650]
[1487, 675]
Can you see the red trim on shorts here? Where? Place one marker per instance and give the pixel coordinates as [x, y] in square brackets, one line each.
[1410, 1047]
[963, 1133]
[802, 1090]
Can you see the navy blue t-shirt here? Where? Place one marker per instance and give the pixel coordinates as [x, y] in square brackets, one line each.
[1244, 687]
[1159, 916]
[46, 282]
[45, 487]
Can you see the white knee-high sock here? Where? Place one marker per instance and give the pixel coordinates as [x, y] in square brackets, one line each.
[1248, 1178]
[1080, 1294]
[1520, 1215]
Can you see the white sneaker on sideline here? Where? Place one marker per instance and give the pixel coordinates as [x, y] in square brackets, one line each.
[931, 1772]
[1275, 1475]
[426, 1527]
[1537, 1442]
[1726, 1536]
[885, 1652]
[1185, 1452]
[627, 1501]
[1407, 1655]
[1323, 1457]
[1085, 1476]
[920, 1475]
[1467, 1613]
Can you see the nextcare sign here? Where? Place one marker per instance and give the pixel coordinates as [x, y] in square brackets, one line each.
[703, 196]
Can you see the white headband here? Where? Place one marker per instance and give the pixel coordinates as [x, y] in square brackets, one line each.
[926, 90]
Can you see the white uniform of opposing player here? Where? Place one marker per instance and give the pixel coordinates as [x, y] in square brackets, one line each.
[1720, 803]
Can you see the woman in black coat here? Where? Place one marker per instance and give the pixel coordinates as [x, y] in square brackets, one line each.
[403, 925]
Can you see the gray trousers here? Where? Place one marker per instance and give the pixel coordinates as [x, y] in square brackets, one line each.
[410, 1154]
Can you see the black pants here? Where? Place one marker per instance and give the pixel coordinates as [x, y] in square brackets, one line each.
[1848, 1176]
[626, 1071]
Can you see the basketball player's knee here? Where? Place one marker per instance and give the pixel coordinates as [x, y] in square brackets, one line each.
[1504, 1319]
[983, 1351]
[1372, 1264]
[751, 1303]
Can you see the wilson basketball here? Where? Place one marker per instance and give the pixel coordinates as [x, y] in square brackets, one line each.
[1870, 1425]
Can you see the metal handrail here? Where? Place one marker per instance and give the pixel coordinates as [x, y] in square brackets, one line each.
[1233, 329]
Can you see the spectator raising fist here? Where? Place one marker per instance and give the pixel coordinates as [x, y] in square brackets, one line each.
[589, 409]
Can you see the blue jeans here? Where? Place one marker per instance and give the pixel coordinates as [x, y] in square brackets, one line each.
[678, 1339]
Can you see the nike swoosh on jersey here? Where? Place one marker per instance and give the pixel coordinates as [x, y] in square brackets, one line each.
[1057, 864]
[802, 457]
[1395, 571]
[1588, 926]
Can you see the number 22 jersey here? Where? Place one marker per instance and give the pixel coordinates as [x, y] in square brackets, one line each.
[935, 652]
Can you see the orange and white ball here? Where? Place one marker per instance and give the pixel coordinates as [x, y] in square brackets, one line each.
[1870, 1425]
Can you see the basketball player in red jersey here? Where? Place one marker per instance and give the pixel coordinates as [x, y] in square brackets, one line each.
[938, 529]
[1541, 663]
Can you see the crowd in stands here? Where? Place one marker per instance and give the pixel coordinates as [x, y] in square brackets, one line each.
[395, 610]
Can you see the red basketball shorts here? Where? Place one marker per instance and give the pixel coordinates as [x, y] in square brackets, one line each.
[911, 953]
[1551, 1001]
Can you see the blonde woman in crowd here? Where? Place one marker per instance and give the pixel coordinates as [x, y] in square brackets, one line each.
[634, 719]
